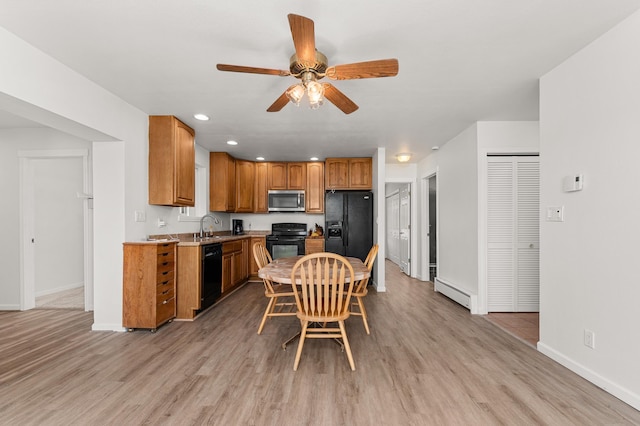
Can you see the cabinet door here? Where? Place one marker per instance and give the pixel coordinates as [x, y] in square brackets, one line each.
[337, 173]
[277, 175]
[185, 166]
[222, 182]
[237, 267]
[260, 200]
[226, 272]
[314, 196]
[245, 175]
[360, 173]
[296, 175]
[253, 266]
[171, 162]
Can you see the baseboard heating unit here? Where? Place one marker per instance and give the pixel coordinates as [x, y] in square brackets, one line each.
[457, 295]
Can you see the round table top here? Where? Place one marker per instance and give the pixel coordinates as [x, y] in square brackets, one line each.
[280, 269]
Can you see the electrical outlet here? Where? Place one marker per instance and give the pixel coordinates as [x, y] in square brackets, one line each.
[589, 339]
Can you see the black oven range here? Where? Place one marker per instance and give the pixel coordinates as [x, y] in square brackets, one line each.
[286, 239]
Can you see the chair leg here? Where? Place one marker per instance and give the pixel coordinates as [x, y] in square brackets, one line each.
[363, 313]
[267, 311]
[346, 345]
[303, 334]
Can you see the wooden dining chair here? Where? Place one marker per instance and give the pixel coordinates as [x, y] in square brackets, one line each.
[324, 285]
[360, 290]
[274, 292]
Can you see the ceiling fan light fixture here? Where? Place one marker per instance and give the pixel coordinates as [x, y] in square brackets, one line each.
[295, 93]
[315, 92]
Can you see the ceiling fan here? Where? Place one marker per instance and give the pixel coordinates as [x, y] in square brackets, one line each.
[309, 65]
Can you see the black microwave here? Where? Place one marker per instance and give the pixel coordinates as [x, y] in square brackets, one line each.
[286, 200]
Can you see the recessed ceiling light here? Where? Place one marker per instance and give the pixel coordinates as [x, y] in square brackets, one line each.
[232, 143]
[260, 158]
[313, 158]
[435, 148]
[201, 117]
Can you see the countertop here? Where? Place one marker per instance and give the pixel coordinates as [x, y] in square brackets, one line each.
[217, 237]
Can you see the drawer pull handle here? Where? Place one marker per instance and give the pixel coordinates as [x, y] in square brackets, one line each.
[165, 282]
[165, 273]
[165, 292]
[165, 302]
[165, 263]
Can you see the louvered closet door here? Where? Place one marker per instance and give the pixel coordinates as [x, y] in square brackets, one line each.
[512, 234]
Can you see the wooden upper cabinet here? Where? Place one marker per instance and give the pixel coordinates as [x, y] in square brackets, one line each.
[245, 184]
[348, 173]
[336, 173]
[222, 182]
[314, 196]
[260, 200]
[277, 175]
[296, 175]
[360, 173]
[172, 162]
[287, 175]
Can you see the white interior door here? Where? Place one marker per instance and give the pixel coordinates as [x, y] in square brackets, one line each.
[405, 229]
[393, 227]
[513, 234]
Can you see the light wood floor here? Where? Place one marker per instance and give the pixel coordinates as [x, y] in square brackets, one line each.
[426, 362]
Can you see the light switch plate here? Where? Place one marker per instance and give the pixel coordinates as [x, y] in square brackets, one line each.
[555, 214]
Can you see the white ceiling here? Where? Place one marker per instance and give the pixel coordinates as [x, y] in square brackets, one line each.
[461, 61]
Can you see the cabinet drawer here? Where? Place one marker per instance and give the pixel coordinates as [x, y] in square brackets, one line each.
[164, 291]
[165, 310]
[166, 255]
[165, 268]
[232, 246]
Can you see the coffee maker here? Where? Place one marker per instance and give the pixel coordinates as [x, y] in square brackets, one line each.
[237, 228]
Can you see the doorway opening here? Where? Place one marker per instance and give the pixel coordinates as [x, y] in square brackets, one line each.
[398, 225]
[56, 229]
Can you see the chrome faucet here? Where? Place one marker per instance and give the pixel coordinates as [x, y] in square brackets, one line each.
[209, 215]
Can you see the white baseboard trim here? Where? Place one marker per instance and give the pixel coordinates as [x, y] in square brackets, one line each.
[107, 327]
[9, 307]
[59, 289]
[605, 384]
[457, 294]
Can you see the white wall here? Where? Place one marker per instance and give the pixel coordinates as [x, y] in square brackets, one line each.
[36, 86]
[379, 174]
[58, 218]
[12, 141]
[457, 211]
[590, 124]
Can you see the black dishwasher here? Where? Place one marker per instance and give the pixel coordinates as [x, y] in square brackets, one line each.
[211, 286]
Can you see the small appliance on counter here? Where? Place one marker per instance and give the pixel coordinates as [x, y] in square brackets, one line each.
[237, 227]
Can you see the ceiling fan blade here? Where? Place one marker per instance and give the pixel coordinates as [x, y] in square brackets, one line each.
[279, 103]
[339, 99]
[302, 31]
[252, 70]
[370, 69]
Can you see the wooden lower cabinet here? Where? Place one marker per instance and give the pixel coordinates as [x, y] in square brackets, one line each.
[149, 285]
[188, 287]
[234, 264]
[253, 266]
[313, 245]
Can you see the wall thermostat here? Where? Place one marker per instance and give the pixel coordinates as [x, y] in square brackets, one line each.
[572, 183]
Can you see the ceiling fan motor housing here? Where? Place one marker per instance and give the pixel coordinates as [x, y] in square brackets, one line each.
[318, 67]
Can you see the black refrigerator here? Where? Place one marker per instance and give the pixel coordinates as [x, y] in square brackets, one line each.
[349, 223]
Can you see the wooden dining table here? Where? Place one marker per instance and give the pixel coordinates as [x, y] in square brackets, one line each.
[280, 271]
